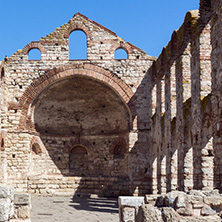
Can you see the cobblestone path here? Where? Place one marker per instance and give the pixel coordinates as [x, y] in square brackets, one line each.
[77, 209]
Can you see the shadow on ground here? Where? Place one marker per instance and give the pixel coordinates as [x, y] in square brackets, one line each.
[100, 204]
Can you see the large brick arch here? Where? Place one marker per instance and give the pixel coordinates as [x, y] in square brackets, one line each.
[82, 69]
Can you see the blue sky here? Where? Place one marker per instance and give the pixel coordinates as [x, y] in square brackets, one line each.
[146, 24]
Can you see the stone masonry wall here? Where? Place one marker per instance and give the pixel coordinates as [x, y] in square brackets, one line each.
[180, 85]
[26, 82]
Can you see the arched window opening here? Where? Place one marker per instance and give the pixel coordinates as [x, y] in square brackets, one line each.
[77, 45]
[120, 54]
[34, 54]
[119, 151]
[78, 160]
[36, 149]
[2, 72]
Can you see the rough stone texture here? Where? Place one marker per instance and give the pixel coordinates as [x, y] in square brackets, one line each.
[128, 207]
[201, 219]
[169, 214]
[184, 207]
[149, 213]
[13, 207]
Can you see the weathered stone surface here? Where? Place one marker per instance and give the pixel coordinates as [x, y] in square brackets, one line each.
[130, 201]
[169, 214]
[5, 209]
[23, 212]
[180, 201]
[128, 214]
[207, 210]
[149, 213]
[6, 192]
[22, 199]
[215, 201]
[200, 219]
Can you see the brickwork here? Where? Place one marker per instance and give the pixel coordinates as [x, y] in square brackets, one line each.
[54, 105]
[185, 132]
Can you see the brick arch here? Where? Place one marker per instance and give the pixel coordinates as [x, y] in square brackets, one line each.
[122, 45]
[34, 45]
[83, 69]
[78, 26]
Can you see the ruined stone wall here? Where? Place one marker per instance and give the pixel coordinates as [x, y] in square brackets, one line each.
[37, 155]
[180, 85]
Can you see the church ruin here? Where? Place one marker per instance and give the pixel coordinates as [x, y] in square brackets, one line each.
[115, 126]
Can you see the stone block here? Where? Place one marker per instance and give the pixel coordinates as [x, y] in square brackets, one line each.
[130, 201]
[128, 214]
[214, 200]
[149, 213]
[207, 210]
[23, 212]
[6, 192]
[169, 214]
[200, 219]
[5, 209]
[22, 199]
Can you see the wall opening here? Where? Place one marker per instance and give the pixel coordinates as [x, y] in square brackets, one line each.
[34, 54]
[36, 149]
[120, 54]
[2, 144]
[78, 160]
[2, 72]
[77, 45]
[119, 149]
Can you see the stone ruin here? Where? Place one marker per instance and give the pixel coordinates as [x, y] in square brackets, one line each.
[115, 127]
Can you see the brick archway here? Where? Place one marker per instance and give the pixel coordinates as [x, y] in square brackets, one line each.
[84, 69]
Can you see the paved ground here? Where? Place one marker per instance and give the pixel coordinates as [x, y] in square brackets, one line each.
[77, 209]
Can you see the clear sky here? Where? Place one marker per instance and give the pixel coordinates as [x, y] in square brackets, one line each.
[146, 24]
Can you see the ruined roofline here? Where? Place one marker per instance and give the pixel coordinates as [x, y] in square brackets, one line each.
[60, 36]
[96, 23]
[178, 38]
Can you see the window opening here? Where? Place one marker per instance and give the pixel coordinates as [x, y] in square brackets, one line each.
[34, 54]
[2, 72]
[120, 54]
[77, 45]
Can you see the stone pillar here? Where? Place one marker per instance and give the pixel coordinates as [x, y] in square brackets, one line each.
[173, 147]
[195, 104]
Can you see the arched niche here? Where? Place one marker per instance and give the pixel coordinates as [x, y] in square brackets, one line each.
[78, 161]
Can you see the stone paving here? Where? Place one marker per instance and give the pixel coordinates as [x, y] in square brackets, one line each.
[74, 209]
